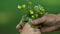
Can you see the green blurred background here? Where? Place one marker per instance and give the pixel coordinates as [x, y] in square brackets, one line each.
[10, 15]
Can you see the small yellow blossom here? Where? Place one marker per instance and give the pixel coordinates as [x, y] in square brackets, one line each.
[19, 7]
[41, 8]
[30, 3]
[23, 6]
[41, 12]
[36, 15]
[33, 16]
[31, 12]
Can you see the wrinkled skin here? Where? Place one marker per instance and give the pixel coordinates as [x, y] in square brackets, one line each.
[50, 23]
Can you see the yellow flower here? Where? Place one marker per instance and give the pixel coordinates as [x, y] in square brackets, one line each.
[31, 12]
[33, 16]
[19, 7]
[41, 8]
[36, 15]
[23, 6]
[30, 3]
[41, 12]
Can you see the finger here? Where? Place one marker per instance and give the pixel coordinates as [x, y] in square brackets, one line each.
[20, 29]
[58, 18]
[39, 20]
[48, 29]
[50, 19]
[22, 20]
[19, 26]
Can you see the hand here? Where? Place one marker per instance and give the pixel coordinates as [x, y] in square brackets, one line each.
[50, 23]
[27, 29]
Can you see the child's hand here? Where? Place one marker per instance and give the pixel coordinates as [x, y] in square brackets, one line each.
[19, 26]
[27, 29]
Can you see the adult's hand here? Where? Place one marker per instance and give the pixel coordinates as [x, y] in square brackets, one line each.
[50, 22]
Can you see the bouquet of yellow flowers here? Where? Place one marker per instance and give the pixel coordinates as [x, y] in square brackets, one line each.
[32, 10]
